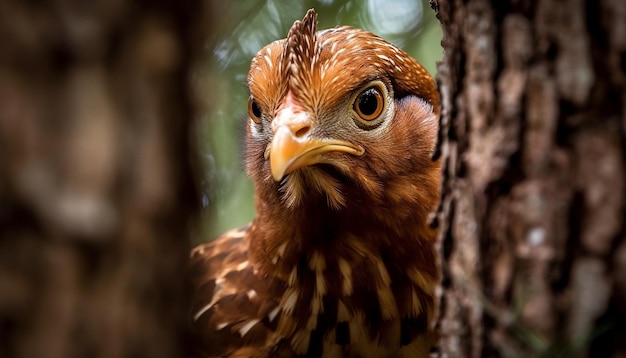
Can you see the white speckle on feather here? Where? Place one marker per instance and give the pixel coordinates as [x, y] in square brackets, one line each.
[268, 61]
[273, 313]
[247, 327]
[251, 294]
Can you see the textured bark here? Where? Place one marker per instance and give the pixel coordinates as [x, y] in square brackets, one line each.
[96, 189]
[533, 139]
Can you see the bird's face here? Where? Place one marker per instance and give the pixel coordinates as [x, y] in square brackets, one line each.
[334, 110]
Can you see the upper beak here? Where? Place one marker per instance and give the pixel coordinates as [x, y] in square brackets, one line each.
[293, 147]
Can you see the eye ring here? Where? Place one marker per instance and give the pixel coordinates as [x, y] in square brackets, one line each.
[369, 103]
[254, 111]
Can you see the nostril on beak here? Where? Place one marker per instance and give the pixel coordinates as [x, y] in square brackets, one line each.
[302, 131]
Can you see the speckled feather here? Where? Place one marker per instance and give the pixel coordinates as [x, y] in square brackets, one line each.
[339, 260]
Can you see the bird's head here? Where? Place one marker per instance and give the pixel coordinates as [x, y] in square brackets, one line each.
[339, 114]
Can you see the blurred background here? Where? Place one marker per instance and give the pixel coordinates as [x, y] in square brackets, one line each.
[242, 29]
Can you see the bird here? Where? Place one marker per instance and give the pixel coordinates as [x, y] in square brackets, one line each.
[340, 259]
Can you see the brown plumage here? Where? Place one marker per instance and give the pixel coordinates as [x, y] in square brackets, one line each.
[339, 260]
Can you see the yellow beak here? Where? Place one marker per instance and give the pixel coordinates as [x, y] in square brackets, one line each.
[290, 151]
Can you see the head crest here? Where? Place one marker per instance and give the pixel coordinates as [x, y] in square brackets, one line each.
[301, 51]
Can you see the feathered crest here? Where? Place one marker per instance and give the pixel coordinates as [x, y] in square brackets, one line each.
[301, 52]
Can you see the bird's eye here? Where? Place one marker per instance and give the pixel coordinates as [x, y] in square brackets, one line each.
[254, 111]
[369, 104]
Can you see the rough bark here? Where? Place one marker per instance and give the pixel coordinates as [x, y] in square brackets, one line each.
[533, 140]
[96, 190]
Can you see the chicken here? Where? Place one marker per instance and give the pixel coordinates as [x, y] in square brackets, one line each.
[340, 260]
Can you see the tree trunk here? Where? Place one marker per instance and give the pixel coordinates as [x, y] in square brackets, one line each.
[533, 211]
[96, 190]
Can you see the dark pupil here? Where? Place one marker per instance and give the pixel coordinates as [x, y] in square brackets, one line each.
[368, 102]
[256, 110]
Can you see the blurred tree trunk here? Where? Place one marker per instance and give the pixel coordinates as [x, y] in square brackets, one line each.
[96, 188]
[534, 142]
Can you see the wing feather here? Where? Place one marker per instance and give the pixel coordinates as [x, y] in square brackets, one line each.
[231, 309]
